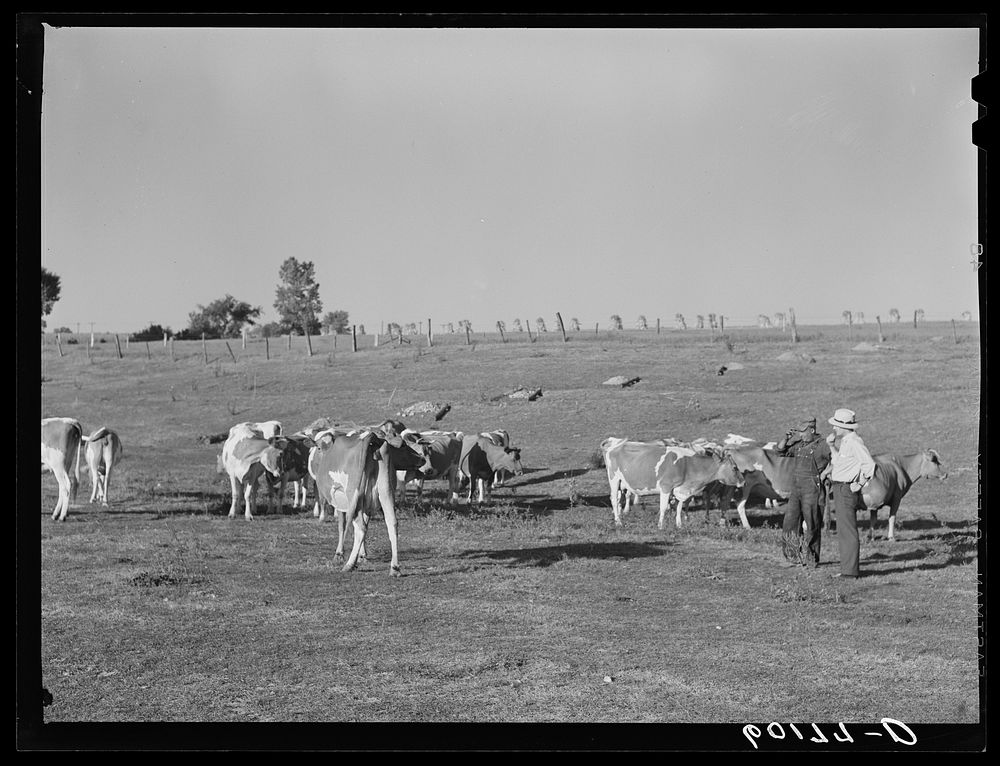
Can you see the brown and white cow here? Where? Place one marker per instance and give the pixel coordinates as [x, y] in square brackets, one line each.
[631, 467]
[683, 476]
[481, 459]
[246, 457]
[501, 438]
[765, 473]
[894, 476]
[104, 451]
[356, 476]
[61, 440]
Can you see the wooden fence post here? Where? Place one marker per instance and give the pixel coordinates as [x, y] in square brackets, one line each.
[164, 340]
[309, 345]
[89, 359]
[148, 355]
[126, 342]
[914, 320]
[118, 343]
[231, 351]
[954, 330]
[92, 333]
[267, 347]
[657, 325]
[204, 347]
[722, 323]
[878, 321]
[430, 334]
[59, 344]
[354, 337]
[500, 330]
[562, 327]
[468, 335]
[596, 325]
[791, 321]
[376, 340]
[527, 326]
[172, 359]
[244, 338]
[850, 326]
[289, 343]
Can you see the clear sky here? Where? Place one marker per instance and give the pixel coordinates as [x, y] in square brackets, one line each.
[489, 174]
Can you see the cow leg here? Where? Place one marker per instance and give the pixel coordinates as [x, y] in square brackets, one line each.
[391, 526]
[872, 518]
[234, 507]
[106, 479]
[64, 482]
[680, 508]
[664, 507]
[250, 499]
[341, 524]
[360, 527]
[892, 520]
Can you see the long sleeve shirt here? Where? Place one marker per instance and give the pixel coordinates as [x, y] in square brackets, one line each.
[851, 461]
[811, 453]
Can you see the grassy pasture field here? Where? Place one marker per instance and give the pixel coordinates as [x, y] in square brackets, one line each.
[533, 607]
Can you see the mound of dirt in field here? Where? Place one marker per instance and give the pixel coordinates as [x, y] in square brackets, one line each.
[791, 356]
[865, 346]
[419, 408]
[734, 366]
[621, 380]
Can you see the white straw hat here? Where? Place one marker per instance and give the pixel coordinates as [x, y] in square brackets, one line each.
[843, 418]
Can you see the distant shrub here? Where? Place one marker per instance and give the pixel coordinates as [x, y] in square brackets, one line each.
[72, 341]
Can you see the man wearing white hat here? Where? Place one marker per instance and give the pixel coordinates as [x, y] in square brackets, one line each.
[852, 467]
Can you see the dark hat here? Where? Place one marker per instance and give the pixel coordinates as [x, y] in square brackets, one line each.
[808, 423]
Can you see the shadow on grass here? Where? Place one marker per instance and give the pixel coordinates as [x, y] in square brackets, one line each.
[550, 554]
[547, 477]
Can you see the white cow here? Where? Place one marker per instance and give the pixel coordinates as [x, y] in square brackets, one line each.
[104, 452]
[246, 456]
[61, 439]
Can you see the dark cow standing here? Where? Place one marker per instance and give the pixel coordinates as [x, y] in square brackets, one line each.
[481, 459]
[893, 477]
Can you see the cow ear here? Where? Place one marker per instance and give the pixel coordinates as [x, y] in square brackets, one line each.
[278, 442]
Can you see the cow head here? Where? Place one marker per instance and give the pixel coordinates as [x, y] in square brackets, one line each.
[273, 458]
[509, 460]
[729, 473]
[414, 453]
[931, 466]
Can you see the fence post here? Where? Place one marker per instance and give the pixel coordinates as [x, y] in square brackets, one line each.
[244, 338]
[791, 321]
[878, 321]
[171, 350]
[204, 347]
[231, 351]
[148, 355]
[527, 326]
[92, 332]
[562, 327]
[88, 353]
[289, 343]
[954, 330]
[468, 335]
[657, 325]
[722, 323]
[118, 343]
[164, 340]
[267, 347]
[126, 342]
[914, 322]
[430, 334]
[596, 325]
[376, 340]
[354, 337]
[309, 345]
[500, 329]
[850, 326]
[59, 344]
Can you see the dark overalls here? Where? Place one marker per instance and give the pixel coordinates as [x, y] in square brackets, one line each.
[812, 456]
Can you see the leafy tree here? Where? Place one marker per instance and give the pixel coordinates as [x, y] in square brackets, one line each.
[297, 297]
[153, 332]
[616, 322]
[222, 318]
[50, 292]
[336, 322]
[67, 331]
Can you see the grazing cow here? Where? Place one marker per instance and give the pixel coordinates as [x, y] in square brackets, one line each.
[500, 438]
[61, 440]
[356, 475]
[893, 477]
[246, 456]
[104, 451]
[631, 468]
[445, 448]
[480, 461]
[683, 476]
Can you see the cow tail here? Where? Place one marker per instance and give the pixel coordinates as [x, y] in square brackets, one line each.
[79, 449]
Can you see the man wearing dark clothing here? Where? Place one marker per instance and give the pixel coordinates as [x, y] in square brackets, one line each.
[812, 456]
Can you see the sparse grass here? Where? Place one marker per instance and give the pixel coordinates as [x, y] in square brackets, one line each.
[161, 608]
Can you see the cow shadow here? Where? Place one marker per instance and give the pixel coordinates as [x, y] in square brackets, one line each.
[548, 555]
[547, 477]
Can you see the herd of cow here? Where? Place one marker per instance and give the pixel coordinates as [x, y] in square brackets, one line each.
[355, 471]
